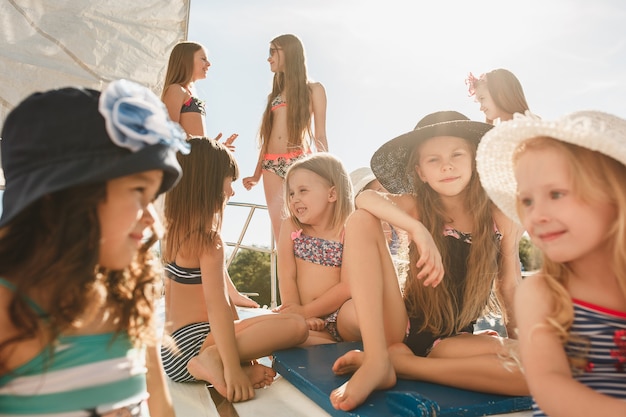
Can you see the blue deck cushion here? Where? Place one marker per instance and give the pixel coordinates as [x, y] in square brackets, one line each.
[309, 370]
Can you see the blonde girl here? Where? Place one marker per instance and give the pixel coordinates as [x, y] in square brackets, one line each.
[564, 180]
[499, 94]
[318, 198]
[295, 116]
[463, 252]
[78, 282]
[211, 344]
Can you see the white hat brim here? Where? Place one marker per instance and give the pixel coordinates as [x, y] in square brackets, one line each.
[594, 130]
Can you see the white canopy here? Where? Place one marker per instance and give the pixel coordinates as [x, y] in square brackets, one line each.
[49, 44]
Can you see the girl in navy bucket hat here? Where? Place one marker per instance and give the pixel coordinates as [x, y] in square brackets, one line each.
[77, 276]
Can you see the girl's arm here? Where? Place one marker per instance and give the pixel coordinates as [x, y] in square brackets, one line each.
[221, 317]
[318, 103]
[249, 182]
[287, 271]
[545, 363]
[236, 297]
[400, 210]
[174, 98]
[160, 401]
[510, 274]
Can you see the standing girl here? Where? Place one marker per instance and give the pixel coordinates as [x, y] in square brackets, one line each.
[318, 197]
[287, 129]
[187, 64]
[446, 214]
[499, 94]
[566, 181]
[77, 277]
[211, 343]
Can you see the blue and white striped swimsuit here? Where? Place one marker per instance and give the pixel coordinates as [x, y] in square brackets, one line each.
[605, 352]
[84, 375]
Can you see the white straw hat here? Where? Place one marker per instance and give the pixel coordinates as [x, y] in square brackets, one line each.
[360, 177]
[594, 130]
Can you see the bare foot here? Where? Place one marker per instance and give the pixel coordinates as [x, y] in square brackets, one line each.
[348, 363]
[373, 374]
[260, 375]
[207, 366]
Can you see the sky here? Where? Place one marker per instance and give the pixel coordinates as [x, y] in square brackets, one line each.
[386, 64]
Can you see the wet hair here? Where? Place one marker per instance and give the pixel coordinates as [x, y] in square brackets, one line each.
[50, 253]
[293, 81]
[194, 207]
[505, 90]
[180, 64]
[596, 178]
[438, 307]
[332, 170]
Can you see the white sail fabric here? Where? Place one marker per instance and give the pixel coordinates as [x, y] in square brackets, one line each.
[48, 44]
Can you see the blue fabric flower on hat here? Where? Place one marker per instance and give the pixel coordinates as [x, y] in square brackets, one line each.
[135, 117]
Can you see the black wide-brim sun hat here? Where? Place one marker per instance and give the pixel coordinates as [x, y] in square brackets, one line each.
[390, 163]
[57, 139]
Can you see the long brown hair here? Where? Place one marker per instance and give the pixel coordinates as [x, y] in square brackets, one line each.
[180, 64]
[194, 207]
[50, 253]
[505, 90]
[293, 85]
[596, 178]
[436, 305]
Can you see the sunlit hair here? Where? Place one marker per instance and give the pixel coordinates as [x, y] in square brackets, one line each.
[504, 88]
[50, 253]
[194, 207]
[181, 64]
[596, 178]
[332, 170]
[437, 305]
[294, 82]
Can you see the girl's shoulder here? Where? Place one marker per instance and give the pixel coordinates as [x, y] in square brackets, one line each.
[176, 91]
[315, 87]
[504, 224]
[534, 290]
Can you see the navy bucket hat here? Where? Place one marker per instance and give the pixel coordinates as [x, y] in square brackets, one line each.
[66, 137]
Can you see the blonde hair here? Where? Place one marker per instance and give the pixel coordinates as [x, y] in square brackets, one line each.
[180, 64]
[194, 207]
[294, 82]
[596, 178]
[331, 169]
[437, 306]
[505, 90]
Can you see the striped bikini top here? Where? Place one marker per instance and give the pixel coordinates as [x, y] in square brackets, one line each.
[81, 375]
[183, 275]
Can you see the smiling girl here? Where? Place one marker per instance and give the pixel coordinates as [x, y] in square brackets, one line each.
[463, 255]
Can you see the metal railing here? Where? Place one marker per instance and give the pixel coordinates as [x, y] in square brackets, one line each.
[272, 250]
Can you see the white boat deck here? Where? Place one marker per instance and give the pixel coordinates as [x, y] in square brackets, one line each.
[281, 399]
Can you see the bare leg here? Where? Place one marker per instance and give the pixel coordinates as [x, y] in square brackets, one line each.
[273, 186]
[380, 310]
[474, 362]
[287, 330]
